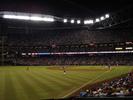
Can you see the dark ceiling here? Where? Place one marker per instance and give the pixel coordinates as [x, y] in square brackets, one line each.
[64, 8]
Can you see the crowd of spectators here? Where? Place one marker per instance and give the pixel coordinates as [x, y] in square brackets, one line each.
[120, 87]
[104, 59]
[63, 37]
[48, 41]
[66, 40]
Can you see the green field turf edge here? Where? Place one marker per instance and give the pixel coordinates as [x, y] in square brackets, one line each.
[40, 82]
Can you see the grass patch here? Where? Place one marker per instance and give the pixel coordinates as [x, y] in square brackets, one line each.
[43, 82]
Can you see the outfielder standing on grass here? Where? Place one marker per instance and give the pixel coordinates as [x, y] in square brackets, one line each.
[64, 70]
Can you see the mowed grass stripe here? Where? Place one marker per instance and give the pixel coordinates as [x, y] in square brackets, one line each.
[59, 76]
[57, 92]
[43, 83]
[81, 82]
[53, 79]
[2, 84]
[70, 76]
[83, 76]
[45, 80]
[56, 87]
[114, 72]
[49, 83]
[66, 89]
[87, 83]
[10, 93]
[32, 90]
[20, 91]
[48, 87]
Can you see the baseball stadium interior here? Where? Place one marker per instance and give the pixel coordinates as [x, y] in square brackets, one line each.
[66, 49]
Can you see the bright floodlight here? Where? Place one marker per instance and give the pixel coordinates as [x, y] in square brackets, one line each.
[119, 48]
[88, 21]
[97, 20]
[107, 16]
[72, 21]
[32, 18]
[102, 18]
[129, 48]
[48, 19]
[78, 21]
[35, 18]
[16, 17]
[65, 20]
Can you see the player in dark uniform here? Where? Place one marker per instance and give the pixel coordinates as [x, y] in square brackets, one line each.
[64, 70]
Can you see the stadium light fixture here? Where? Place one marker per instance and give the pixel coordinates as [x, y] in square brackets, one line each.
[97, 20]
[88, 21]
[102, 18]
[23, 54]
[65, 20]
[48, 19]
[129, 48]
[78, 21]
[107, 16]
[118, 48]
[16, 17]
[35, 18]
[72, 21]
[32, 18]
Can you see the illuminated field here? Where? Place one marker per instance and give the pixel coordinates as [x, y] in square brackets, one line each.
[41, 82]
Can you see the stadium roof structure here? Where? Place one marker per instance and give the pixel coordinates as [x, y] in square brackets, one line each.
[66, 8]
[76, 12]
[50, 18]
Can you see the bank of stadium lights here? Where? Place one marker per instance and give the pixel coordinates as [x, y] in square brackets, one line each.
[88, 21]
[129, 48]
[31, 18]
[65, 20]
[97, 20]
[47, 18]
[78, 21]
[118, 48]
[107, 16]
[102, 18]
[34, 18]
[16, 17]
[72, 21]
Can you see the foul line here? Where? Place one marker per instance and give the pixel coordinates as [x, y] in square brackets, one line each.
[84, 85]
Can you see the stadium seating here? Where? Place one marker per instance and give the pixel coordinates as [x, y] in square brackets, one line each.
[67, 41]
[120, 87]
[104, 59]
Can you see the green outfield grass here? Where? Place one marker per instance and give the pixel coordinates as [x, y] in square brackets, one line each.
[42, 82]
